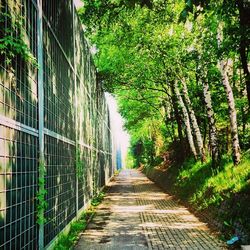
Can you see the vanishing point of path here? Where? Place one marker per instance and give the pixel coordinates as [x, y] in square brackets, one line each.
[136, 214]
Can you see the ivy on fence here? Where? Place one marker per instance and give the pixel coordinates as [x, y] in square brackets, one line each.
[12, 37]
[41, 202]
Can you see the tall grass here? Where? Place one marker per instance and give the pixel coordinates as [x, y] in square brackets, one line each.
[203, 185]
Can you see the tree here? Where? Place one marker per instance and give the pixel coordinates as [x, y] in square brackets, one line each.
[193, 119]
[144, 51]
[185, 119]
[232, 111]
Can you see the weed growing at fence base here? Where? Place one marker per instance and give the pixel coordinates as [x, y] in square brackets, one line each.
[97, 199]
[67, 241]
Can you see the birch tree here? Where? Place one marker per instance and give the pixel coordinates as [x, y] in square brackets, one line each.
[194, 122]
[185, 119]
[223, 66]
[211, 122]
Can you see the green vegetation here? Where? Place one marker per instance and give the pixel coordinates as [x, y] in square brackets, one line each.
[202, 186]
[41, 193]
[13, 39]
[67, 241]
[97, 199]
[222, 193]
[79, 164]
[179, 70]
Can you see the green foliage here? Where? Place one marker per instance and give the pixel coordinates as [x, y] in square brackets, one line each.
[142, 51]
[12, 37]
[202, 186]
[67, 241]
[41, 193]
[224, 191]
[144, 152]
[97, 199]
[79, 164]
[130, 161]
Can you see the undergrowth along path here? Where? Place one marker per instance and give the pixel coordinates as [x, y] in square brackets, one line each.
[136, 214]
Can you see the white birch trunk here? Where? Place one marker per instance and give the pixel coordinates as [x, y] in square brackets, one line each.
[223, 65]
[186, 120]
[211, 122]
[232, 112]
[194, 122]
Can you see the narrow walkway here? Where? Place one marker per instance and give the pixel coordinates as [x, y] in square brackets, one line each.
[136, 214]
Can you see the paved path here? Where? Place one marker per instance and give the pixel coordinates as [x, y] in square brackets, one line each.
[136, 214]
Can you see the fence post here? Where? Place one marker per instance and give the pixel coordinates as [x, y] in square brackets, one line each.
[76, 106]
[40, 104]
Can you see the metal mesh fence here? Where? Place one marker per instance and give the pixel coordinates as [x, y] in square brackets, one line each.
[76, 140]
[18, 187]
[18, 86]
[60, 186]
[58, 88]
[18, 140]
[58, 15]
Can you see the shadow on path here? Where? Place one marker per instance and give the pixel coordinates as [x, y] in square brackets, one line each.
[136, 214]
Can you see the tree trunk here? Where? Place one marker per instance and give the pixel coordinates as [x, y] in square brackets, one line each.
[194, 122]
[244, 19]
[186, 120]
[211, 122]
[167, 117]
[228, 139]
[243, 57]
[223, 66]
[232, 112]
[176, 113]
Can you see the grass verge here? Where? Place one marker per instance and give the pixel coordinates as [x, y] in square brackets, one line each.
[225, 191]
[204, 186]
